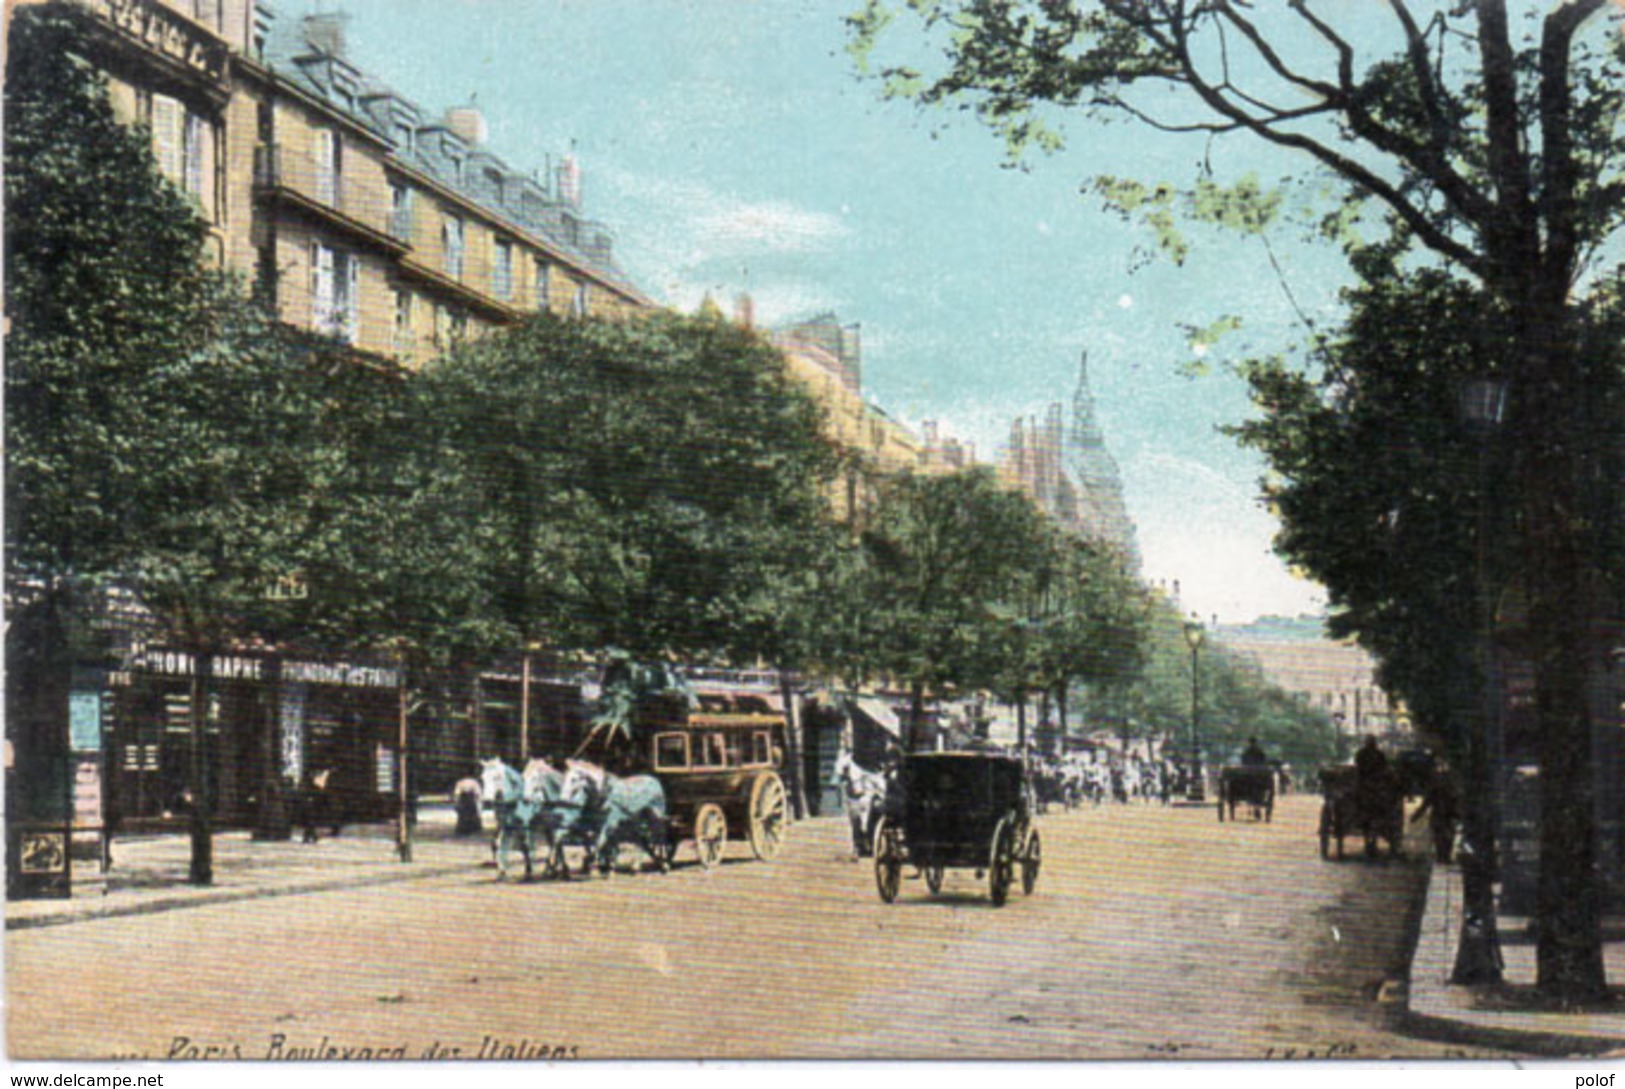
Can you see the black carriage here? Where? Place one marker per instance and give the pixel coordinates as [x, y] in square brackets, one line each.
[1251, 785]
[719, 770]
[1373, 808]
[966, 810]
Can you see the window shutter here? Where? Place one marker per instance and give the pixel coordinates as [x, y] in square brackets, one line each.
[192, 153]
[166, 136]
[321, 287]
[544, 276]
[352, 299]
[326, 166]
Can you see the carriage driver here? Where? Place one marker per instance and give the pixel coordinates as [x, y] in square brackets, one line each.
[1254, 756]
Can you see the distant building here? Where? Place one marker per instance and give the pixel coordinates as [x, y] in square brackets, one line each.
[1069, 473]
[826, 357]
[1335, 678]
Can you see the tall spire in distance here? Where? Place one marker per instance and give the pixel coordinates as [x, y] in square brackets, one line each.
[1103, 513]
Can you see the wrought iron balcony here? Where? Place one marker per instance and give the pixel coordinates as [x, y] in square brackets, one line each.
[321, 190]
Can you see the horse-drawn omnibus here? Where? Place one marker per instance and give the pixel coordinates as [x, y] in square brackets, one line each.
[718, 764]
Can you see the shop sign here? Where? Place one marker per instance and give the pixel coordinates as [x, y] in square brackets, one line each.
[292, 710]
[85, 721]
[228, 667]
[87, 793]
[37, 863]
[340, 673]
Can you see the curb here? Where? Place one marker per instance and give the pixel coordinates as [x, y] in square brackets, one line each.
[225, 896]
[1544, 1043]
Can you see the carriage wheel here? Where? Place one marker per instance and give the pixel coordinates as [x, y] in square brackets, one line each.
[769, 811]
[1032, 860]
[888, 860]
[1001, 862]
[934, 872]
[710, 834]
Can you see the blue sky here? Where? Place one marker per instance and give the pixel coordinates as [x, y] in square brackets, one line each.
[730, 146]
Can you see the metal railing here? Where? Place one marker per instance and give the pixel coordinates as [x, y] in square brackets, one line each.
[279, 167]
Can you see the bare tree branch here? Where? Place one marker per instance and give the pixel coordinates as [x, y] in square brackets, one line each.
[1417, 49]
[1560, 181]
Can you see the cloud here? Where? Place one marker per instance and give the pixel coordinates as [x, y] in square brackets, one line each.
[697, 240]
[691, 224]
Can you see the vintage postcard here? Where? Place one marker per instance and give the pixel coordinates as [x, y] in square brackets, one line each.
[554, 531]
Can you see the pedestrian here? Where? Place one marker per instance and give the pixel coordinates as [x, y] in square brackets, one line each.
[466, 800]
[1442, 802]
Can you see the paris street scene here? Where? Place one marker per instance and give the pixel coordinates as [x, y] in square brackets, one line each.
[555, 532]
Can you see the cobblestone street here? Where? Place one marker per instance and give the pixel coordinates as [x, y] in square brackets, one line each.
[1153, 933]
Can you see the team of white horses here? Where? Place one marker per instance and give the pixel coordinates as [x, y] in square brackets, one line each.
[581, 806]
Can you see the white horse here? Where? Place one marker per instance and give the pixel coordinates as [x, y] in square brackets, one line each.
[556, 818]
[616, 810]
[515, 812]
[862, 792]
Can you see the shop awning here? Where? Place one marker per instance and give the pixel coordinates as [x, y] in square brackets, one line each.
[880, 713]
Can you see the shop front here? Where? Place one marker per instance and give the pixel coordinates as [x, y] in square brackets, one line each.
[268, 724]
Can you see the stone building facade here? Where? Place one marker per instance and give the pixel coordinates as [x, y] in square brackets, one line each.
[356, 211]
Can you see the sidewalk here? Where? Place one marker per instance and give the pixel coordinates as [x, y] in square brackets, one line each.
[149, 872]
[1438, 1010]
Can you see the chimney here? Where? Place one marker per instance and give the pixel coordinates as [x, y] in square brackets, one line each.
[569, 177]
[468, 123]
[745, 310]
[324, 32]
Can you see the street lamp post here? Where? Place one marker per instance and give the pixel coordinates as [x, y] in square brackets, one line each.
[1195, 790]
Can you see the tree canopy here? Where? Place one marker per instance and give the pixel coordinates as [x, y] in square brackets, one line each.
[650, 484]
[1484, 144]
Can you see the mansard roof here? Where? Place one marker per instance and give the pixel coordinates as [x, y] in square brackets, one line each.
[424, 143]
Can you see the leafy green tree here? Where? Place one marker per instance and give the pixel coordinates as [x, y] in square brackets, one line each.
[105, 289]
[647, 484]
[1386, 491]
[946, 563]
[1486, 147]
[103, 292]
[163, 434]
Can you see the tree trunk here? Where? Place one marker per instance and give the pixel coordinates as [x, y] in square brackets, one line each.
[1569, 964]
[794, 738]
[916, 717]
[403, 826]
[201, 871]
[272, 821]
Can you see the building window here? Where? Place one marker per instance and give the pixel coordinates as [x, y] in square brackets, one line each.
[335, 292]
[544, 284]
[400, 212]
[493, 178]
[403, 317]
[405, 138]
[178, 141]
[582, 301]
[502, 270]
[451, 237]
[329, 166]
